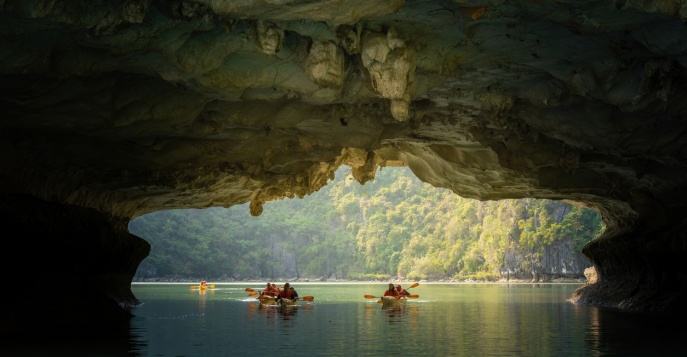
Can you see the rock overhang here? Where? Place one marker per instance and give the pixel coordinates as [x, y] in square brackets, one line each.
[128, 107]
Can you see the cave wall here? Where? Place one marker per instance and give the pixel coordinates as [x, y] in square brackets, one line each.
[641, 270]
[68, 265]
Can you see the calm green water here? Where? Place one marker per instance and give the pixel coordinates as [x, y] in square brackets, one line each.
[446, 320]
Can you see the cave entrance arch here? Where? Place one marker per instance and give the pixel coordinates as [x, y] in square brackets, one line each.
[394, 226]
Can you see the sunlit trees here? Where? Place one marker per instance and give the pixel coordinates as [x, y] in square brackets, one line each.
[393, 226]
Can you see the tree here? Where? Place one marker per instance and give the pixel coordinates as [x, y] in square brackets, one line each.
[395, 225]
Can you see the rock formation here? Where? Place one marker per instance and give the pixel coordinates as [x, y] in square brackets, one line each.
[113, 109]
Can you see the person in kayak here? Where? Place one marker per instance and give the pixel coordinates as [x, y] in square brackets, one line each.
[401, 291]
[294, 294]
[287, 293]
[391, 291]
[269, 290]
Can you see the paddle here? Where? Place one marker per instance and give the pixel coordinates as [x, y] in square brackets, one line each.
[198, 287]
[412, 286]
[306, 298]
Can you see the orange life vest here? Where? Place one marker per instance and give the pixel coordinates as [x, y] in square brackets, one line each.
[285, 294]
[391, 293]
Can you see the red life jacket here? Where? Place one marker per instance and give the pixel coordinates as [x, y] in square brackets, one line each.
[391, 293]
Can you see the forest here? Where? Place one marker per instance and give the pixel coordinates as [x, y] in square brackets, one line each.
[394, 226]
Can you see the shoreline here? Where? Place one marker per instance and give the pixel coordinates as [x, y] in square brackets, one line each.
[344, 281]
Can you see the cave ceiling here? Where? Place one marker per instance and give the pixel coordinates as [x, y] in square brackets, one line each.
[134, 106]
[129, 107]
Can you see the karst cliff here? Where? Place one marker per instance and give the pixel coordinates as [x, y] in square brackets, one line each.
[113, 109]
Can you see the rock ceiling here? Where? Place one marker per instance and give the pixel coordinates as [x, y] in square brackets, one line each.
[128, 107]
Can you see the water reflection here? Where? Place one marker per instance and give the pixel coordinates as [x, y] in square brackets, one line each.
[402, 313]
[117, 338]
[394, 311]
[288, 312]
[253, 307]
[611, 331]
[284, 313]
[451, 320]
[370, 310]
[205, 291]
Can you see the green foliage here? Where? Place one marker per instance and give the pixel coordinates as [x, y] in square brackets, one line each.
[393, 226]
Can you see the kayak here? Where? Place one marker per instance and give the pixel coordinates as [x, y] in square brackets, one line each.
[203, 287]
[267, 300]
[287, 303]
[273, 301]
[393, 301]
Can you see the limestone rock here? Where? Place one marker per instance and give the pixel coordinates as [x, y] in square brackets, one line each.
[111, 110]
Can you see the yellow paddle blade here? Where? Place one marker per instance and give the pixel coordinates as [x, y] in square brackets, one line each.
[412, 286]
[308, 298]
[253, 293]
[371, 297]
[414, 296]
[194, 287]
[249, 289]
[212, 286]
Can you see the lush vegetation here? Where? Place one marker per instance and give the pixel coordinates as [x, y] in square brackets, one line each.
[393, 226]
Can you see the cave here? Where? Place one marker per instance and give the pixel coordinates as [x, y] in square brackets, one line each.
[114, 109]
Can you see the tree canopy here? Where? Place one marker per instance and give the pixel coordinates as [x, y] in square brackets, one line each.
[393, 226]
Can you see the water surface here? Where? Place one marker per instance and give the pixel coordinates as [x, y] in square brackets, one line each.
[446, 320]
